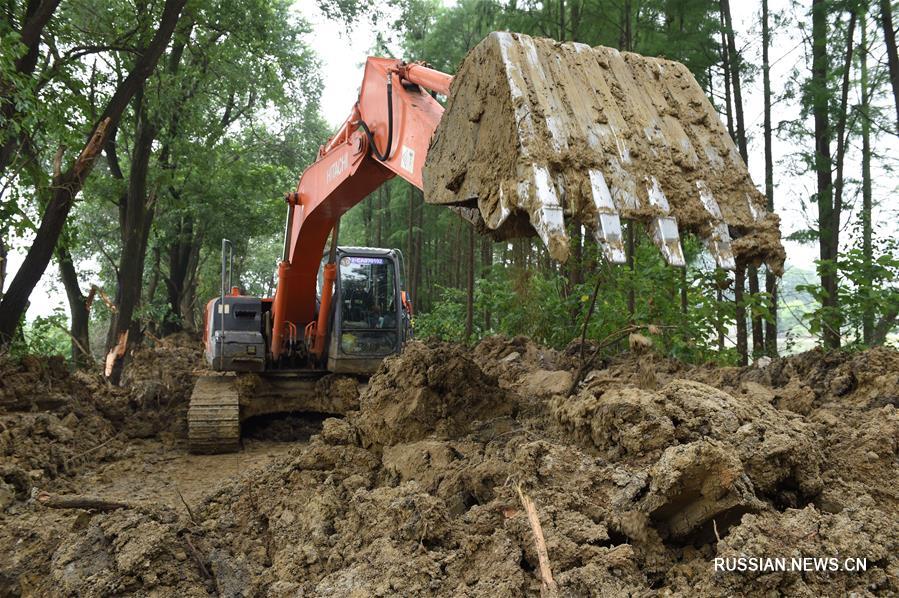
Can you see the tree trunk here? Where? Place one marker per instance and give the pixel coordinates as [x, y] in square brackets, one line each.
[419, 209]
[135, 216]
[739, 287]
[154, 276]
[625, 37]
[179, 254]
[725, 65]
[720, 277]
[631, 265]
[823, 164]
[486, 267]
[4, 252]
[469, 311]
[67, 185]
[889, 39]
[187, 307]
[867, 247]
[734, 64]
[457, 255]
[576, 261]
[382, 191]
[758, 340]
[758, 324]
[410, 244]
[79, 312]
[770, 279]
[841, 133]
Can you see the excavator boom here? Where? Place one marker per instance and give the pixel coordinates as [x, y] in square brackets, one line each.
[387, 134]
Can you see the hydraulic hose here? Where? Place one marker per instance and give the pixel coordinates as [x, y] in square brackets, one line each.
[371, 138]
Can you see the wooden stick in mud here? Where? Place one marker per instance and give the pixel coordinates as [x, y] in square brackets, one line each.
[546, 575]
[55, 501]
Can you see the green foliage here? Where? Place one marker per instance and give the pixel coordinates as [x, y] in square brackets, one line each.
[44, 336]
[542, 305]
[864, 288]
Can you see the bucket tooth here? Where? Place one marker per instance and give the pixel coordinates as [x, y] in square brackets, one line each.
[608, 224]
[664, 226]
[546, 213]
[667, 239]
[718, 240]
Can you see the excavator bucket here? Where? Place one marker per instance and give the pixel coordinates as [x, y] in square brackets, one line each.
[539, 134]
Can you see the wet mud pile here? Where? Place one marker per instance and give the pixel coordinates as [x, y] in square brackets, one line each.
[640, 482]
[55, 424]
[534, 129]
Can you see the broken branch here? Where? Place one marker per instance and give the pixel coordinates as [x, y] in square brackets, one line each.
[546, 576]
[88, 503]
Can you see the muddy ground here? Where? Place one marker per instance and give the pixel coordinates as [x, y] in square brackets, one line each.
[641, 479]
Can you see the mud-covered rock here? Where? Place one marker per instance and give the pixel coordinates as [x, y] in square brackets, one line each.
[697, 489]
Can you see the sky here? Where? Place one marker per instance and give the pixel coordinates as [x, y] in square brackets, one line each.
[342, 54]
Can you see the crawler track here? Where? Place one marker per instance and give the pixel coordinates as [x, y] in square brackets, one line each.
[213, 418]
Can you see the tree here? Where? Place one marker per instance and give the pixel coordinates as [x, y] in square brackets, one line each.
[889, 38]
[37, 14]
[770, 279]
[867, 230]
[822, 163]
[66, 185]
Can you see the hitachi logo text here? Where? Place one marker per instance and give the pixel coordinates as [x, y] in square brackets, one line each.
[335, 170]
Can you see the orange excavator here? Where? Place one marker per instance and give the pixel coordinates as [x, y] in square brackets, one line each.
[535, 137]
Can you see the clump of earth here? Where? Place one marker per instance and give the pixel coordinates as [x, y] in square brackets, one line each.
[640, 482]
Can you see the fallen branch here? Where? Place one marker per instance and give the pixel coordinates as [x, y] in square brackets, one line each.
[91, 450]
[198, 559]
[190, 514]
[546, 576]
[613, 338]
[55, 501]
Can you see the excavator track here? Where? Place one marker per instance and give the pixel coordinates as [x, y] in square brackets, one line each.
[213, 418]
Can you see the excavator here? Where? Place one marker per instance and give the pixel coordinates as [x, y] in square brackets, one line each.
[532, 137]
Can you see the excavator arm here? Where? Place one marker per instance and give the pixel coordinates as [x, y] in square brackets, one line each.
[386, 135]
[536, 137]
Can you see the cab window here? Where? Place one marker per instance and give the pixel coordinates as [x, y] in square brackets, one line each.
[368, 304]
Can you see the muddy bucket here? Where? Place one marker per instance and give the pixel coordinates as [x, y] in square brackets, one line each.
[539, 134]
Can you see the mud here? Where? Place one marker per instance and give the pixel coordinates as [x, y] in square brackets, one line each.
[533, 127]
[639, 485]
[427, 391]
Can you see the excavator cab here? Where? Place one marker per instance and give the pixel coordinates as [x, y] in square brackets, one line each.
[370, 319]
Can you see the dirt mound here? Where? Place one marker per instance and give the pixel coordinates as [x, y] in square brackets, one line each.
[428, 390]
[55, 423]
[638, 490]
[779, 452]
